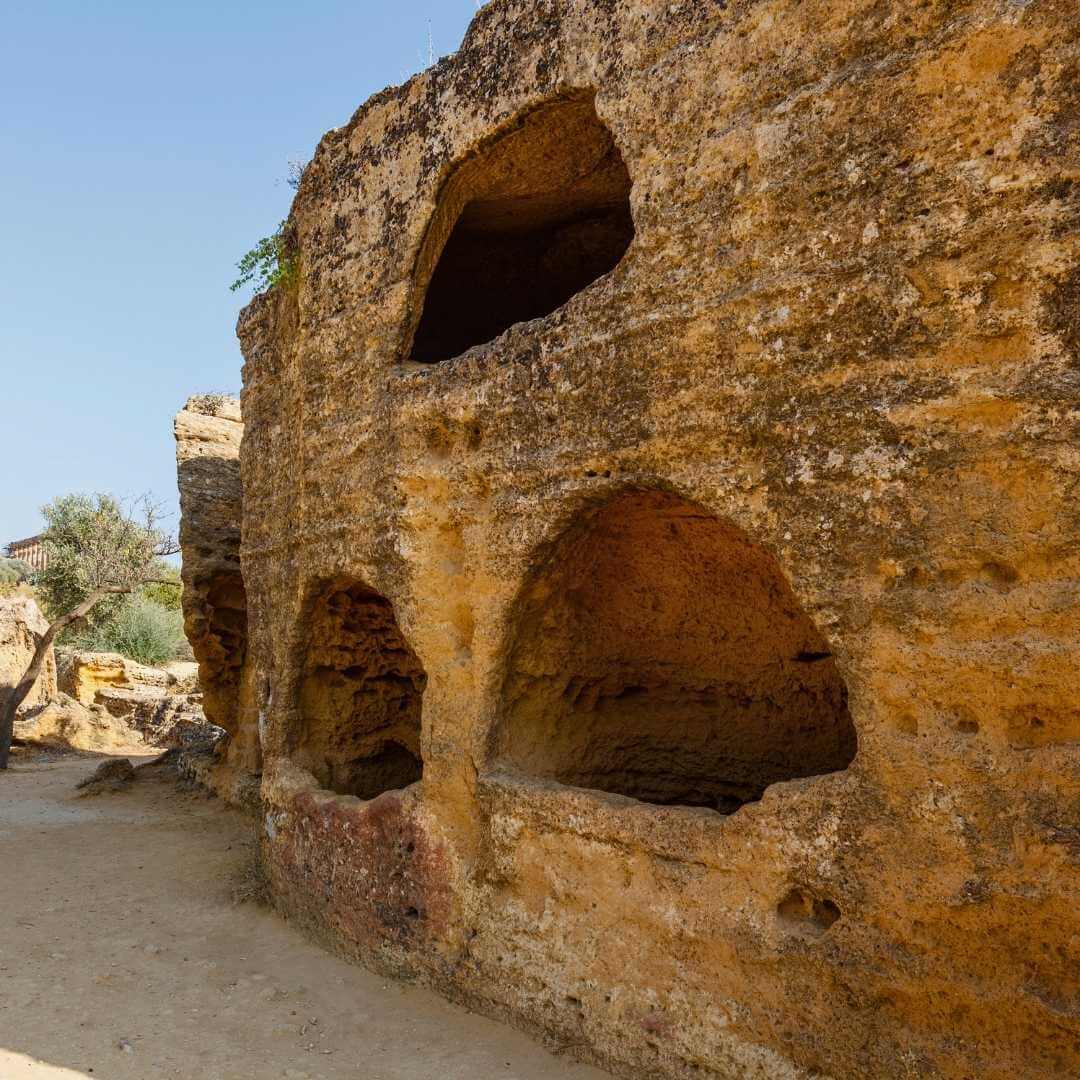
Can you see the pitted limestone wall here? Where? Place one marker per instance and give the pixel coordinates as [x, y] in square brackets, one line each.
[844, 330]
[208, 431]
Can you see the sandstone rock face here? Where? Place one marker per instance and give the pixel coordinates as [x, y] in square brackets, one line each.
[159, 706]
[186, 676]
[22, 626]
[96, 677]
[65, 722]
[667, 453]
[177, 723]
[208, 432]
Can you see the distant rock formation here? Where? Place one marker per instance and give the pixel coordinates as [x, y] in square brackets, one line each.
[66, 723]
[162, 706]
[100, 702]
[208, 433]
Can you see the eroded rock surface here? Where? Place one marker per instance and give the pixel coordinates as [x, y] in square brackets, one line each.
[108, 778]
[208, 432]
[99, 677]
[691, 391]
[65, 722]
[22, 626]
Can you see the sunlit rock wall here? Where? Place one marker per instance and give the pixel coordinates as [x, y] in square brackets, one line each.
[623, 298]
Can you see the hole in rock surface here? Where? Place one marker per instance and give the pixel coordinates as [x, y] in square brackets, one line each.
[360, 695]
[524, 224]
[803, 909]
[660, 654]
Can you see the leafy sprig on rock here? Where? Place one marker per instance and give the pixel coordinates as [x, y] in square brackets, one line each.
[271, 262]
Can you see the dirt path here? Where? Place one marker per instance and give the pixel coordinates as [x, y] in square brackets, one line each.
[122, 958]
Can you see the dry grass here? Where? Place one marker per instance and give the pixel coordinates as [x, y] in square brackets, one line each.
[249, 883]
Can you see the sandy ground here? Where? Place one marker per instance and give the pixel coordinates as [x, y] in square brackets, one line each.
[122, 957]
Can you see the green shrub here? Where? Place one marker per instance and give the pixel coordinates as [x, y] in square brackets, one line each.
[12, 571]
[141, 630]
[164, 592]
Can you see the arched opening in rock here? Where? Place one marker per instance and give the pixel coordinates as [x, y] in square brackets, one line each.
[360, 694]
[523, 225]
[662, 655]
[217, 629]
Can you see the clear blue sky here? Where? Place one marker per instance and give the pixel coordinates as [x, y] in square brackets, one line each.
[144, 149]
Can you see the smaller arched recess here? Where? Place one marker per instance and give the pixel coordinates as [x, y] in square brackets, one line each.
[661, 654]
[530, 219]
[360, 694]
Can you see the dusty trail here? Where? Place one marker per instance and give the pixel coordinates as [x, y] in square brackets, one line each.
[122, 958]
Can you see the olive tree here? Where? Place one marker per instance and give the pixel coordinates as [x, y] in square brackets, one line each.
[98, 552]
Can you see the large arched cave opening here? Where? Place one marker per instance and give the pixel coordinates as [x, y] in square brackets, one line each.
[662, 655]
[522, 225]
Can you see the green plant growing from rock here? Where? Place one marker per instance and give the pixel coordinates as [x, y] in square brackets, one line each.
[271, 262]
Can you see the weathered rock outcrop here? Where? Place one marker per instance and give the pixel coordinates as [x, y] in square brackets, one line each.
[22, 626]
[161, 706]
[665, 449]
[107, 678]
[108, 778]
[208, 432]
[67, 723]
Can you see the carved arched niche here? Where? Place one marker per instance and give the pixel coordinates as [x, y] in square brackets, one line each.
[523, 224]
[662, 655]
[360, 694]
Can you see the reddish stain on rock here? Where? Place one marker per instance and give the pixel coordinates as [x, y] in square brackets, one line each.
[370, 870]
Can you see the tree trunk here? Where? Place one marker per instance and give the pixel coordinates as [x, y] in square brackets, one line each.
[17, 694]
